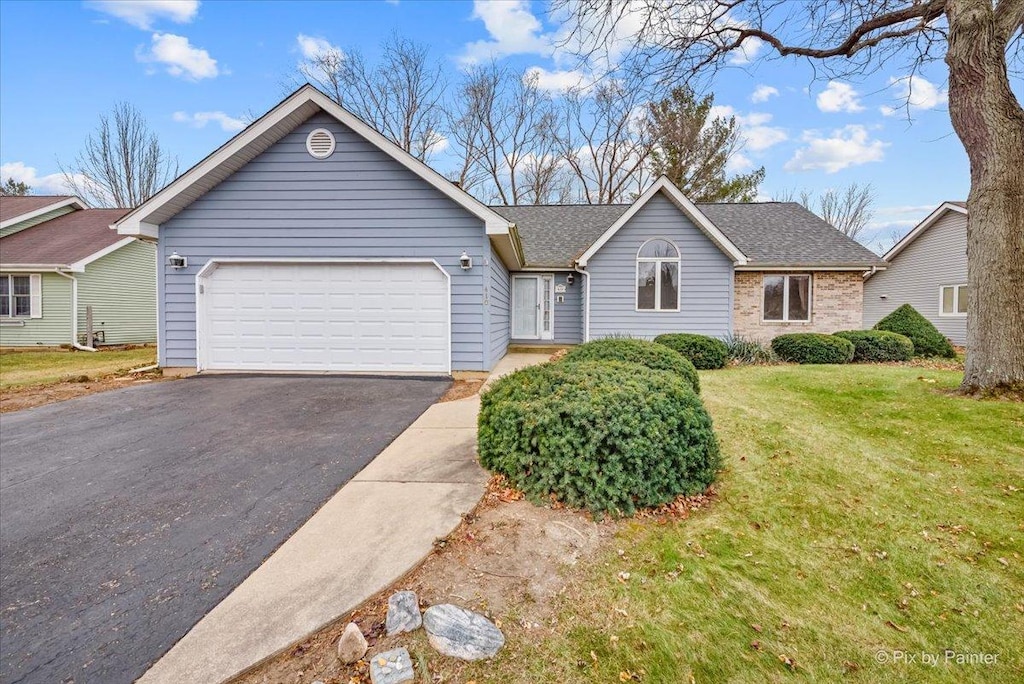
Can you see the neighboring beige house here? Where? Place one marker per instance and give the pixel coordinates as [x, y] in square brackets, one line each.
[928, 270]
[60, 261]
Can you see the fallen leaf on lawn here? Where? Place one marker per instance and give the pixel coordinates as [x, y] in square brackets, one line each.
[1004, 561]
[788, 662]
[756, 645]
[850, 666]
[756, 627]
[892, 624]
[593, 656]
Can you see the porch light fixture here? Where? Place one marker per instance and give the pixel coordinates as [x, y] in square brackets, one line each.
[177, 261]
[465, 261]
[570, 279]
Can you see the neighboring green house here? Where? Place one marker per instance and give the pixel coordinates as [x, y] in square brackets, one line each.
[60, 262]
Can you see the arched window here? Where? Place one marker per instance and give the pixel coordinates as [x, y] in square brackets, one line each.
[657, 276]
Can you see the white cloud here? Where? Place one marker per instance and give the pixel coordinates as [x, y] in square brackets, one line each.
[200, 119]
[50, 184]
[739, 163]
[763, 93]
[747, 51]
[439, 145]
[847, 146]
[180, 57]
[839, 97]
[915, 92]
[555, 80]
[757, 135]
[313, 48]
[143, 13]
[513, 30]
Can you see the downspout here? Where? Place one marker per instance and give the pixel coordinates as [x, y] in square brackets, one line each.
[74, 312]
[586, 307]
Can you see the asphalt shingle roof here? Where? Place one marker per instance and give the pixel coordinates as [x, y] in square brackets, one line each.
[11, 206]
[768, 233]
[63, 240]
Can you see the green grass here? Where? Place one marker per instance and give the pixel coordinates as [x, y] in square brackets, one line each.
[863, 510]
[22, 369]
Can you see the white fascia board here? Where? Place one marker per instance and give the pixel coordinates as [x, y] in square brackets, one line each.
[33, 268]
[79, 266]
[28, 216]
[810, 267]
[921, 227]
[702, 222]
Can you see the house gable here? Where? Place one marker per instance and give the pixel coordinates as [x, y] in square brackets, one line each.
[934, 257]
[38, 212]
[664, 187]
[705, 276]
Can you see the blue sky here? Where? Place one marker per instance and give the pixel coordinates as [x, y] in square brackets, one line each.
[196, 70]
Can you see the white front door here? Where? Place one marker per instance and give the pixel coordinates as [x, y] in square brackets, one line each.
[532, 307]
[324, 316]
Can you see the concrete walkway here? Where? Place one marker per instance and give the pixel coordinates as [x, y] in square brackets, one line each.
[374, 530]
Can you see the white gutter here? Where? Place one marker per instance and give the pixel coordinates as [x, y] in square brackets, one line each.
[74, 312]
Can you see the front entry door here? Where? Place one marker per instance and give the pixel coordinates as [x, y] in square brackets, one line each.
[532, 317]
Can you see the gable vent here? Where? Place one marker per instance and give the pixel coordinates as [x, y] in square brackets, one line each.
[320, 143]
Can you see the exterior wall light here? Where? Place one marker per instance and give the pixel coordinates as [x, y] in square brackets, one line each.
[465, 261]
[177, 261]
[570, 279]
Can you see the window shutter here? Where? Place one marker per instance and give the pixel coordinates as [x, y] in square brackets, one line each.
[35, 282]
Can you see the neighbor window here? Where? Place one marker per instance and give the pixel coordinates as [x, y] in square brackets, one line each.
[657, 276]
[953, 301]
[15, 295]
[787, 298]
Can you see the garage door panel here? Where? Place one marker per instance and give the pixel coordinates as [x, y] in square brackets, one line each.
[343, 317]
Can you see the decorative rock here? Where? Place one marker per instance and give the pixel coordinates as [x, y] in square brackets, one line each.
[392, 667]
[352, 644]
[461, 633]
[403, 613]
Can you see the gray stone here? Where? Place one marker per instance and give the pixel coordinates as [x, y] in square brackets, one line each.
[461, 633]
[352, 644]
[403, 613]
[392, 667]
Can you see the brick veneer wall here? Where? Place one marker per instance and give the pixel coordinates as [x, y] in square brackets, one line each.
[837, 299]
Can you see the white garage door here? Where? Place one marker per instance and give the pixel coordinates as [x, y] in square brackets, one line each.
[341, 317]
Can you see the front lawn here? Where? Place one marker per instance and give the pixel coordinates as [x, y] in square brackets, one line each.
[866, 522]
[24, 369]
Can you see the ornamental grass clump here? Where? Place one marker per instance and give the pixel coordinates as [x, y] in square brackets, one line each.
[813, 348]
[642, 352]
[607, 436]
[878, 345]
[705, 353]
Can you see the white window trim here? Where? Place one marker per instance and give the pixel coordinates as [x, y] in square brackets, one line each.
[785, 299]
[678, 261]
[35, 289]
[956, 300]
[540, 278]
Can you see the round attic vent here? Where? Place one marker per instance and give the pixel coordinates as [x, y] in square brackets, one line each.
[320, 143]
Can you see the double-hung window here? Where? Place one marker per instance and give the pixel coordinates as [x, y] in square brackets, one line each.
[657, 276]
[786, 298]
[953, 300]
[15, 296]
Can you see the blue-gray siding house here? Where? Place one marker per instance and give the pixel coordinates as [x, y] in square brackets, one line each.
[311, 243]
[928, 270]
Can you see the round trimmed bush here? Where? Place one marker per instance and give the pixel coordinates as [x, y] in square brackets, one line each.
[878, 345]
[607, 436]
[813, 348]
[927, 339]
[705, 353]
[654, 356]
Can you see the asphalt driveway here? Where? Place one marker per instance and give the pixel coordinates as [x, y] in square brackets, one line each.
[126, 516]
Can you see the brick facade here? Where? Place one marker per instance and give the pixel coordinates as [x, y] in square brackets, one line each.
[837, 299]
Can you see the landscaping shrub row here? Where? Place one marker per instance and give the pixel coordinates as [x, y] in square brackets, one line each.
[614, 425]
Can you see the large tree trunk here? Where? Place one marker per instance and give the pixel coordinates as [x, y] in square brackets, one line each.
[990, 123]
